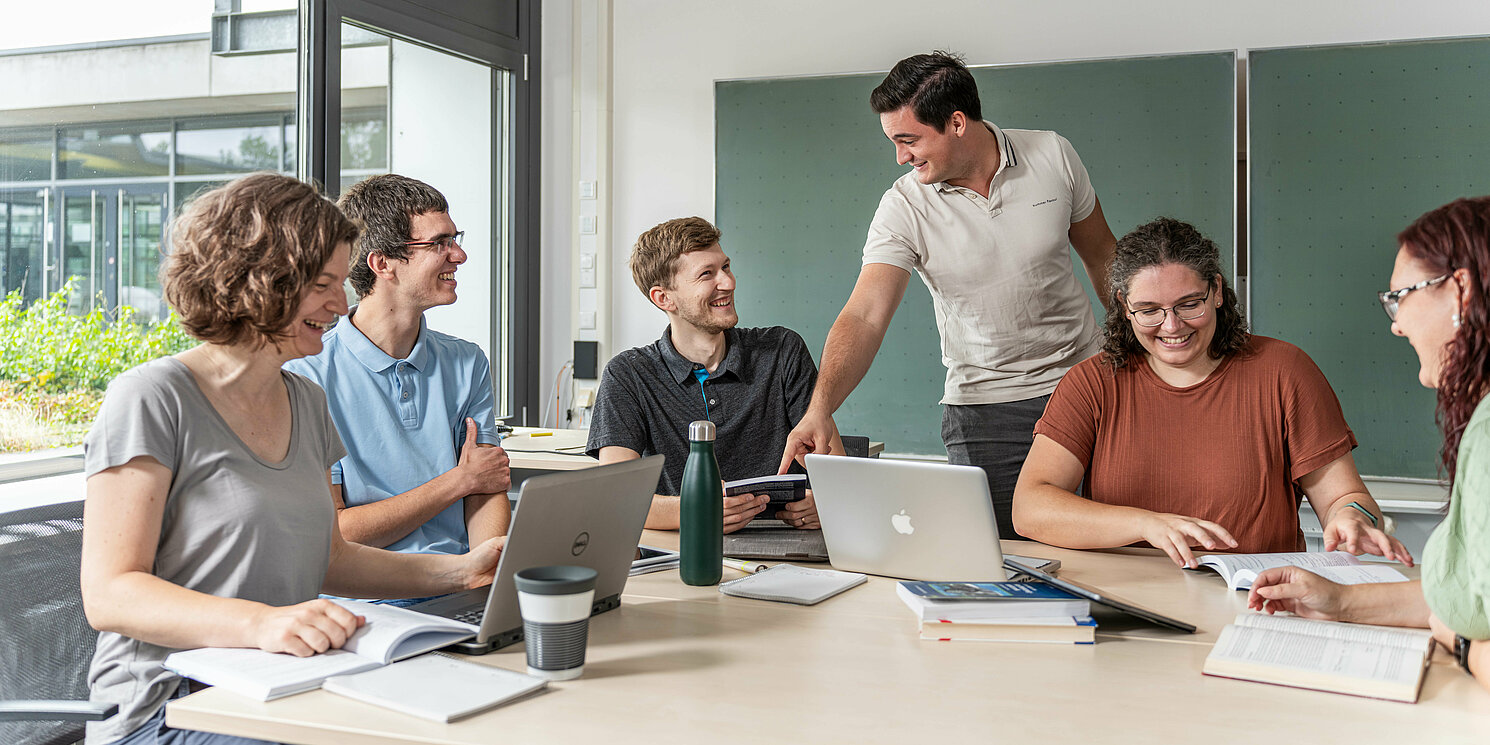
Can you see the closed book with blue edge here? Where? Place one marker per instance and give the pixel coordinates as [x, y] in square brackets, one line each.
[1054, 630]
[1001, 600]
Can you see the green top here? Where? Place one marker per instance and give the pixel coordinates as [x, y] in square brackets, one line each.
[1456, 561]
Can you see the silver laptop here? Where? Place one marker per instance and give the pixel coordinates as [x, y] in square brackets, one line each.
[592, 517]
[908, 519]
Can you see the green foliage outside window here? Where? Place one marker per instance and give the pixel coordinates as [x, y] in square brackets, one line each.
[54, 366]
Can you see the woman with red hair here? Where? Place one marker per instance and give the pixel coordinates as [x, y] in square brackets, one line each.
[1442, 276]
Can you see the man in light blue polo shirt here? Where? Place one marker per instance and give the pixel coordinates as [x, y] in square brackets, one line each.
[414, 406]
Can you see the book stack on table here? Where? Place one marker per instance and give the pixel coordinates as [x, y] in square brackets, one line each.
[998, 612]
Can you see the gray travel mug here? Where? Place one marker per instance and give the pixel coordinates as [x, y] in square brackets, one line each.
[555, 604]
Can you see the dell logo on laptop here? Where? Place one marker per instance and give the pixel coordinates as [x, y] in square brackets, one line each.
[581, 542]
[902, 523]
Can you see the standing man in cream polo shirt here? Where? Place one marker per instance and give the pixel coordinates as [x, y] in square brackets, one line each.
[985, 216]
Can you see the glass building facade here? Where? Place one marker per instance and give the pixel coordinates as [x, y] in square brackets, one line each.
[90, 202]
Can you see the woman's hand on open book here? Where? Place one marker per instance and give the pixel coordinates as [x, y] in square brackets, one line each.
[480, 563]
[304, 629]
[1351, 531]
[1175, 534]
[1298, 591]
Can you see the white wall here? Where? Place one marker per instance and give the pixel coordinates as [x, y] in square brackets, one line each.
[668, 53]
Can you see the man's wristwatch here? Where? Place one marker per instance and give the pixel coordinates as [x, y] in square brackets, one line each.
[1461, 651]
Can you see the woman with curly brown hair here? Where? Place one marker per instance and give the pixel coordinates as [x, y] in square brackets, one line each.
[209, 519]
[1442, 307]
[1186, 430]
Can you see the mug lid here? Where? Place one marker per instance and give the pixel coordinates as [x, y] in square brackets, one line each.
[555, 580]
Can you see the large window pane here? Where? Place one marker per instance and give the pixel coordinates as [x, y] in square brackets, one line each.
[26, 154]
[102, 140]
[229, 146]
[115, 151]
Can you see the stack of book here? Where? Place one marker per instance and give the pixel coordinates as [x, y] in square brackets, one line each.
[998, 612]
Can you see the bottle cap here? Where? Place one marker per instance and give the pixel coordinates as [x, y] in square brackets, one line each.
[701, 431]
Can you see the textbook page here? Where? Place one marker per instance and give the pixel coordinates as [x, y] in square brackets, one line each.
[1228, 564]
[1340, 658]
[1365, 574]
[393, 633]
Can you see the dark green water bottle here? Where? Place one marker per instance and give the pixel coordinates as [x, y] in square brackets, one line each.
[701, 526]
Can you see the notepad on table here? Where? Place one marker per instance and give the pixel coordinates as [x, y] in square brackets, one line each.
[788, 583]
[435, 687]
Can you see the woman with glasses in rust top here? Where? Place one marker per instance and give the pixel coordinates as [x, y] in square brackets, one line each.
[1187, 431]
[1442, 276]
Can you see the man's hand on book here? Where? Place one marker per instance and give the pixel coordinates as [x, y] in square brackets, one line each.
[739, 510]
[306, 628]
[801, 514]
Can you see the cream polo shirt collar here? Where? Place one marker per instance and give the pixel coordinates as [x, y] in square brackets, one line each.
[1008, 159]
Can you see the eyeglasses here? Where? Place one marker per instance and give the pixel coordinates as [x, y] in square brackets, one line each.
[445, 244]
[1186, 311]
[1391, 299]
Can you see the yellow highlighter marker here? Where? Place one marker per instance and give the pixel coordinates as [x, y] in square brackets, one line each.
[539, 434]
[748, 567]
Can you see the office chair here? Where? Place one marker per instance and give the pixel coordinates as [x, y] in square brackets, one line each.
[49, 644]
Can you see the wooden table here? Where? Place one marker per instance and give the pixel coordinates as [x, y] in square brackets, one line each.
[681, 664]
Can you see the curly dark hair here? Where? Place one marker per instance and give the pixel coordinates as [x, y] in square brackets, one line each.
[385, 206]
[1457, 236]
[934, 86]
[1167, 241]
[243, 255]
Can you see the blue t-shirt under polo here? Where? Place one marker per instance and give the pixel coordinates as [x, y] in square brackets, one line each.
[403, 421]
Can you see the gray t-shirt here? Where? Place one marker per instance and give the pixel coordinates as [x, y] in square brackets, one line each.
[234, 524]
[756, 395]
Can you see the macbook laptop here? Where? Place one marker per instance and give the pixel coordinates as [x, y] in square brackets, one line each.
[592, 518]
[907, 519]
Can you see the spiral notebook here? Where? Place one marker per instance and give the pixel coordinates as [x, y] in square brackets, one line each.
[787, 583]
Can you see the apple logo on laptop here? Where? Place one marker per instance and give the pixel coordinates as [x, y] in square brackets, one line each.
[902, 523]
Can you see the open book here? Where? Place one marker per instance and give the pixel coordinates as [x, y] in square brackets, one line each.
[1337, 566]
[1373, 661]
[391, 633]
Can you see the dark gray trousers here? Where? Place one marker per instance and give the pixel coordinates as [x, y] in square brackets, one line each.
[995, 438]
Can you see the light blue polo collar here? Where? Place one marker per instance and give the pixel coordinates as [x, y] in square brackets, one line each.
[370, 355]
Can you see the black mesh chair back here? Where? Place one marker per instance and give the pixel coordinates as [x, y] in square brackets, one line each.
[48, 644]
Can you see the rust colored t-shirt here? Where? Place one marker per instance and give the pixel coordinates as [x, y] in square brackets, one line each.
[1229, 449]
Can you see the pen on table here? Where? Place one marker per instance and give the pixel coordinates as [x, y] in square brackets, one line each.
[748, 567]
[539, 434]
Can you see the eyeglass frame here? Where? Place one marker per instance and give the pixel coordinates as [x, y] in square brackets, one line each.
[1165, 311]
[446, 243]
[1391, 300]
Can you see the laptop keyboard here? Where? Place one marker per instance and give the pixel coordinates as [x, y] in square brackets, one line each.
[472, 616]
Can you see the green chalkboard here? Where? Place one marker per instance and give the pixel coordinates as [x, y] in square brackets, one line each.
[1348, 145]
[801, 164]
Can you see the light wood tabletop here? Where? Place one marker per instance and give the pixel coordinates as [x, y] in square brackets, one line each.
[687, 664]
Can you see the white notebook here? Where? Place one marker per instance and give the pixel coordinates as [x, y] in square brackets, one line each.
[788, 583]
[435, 687]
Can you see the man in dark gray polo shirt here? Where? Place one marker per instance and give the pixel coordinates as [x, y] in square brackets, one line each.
[753, 383]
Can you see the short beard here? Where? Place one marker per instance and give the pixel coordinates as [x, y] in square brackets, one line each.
[708, 326]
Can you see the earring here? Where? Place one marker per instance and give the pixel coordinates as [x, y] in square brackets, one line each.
[1455, 319]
